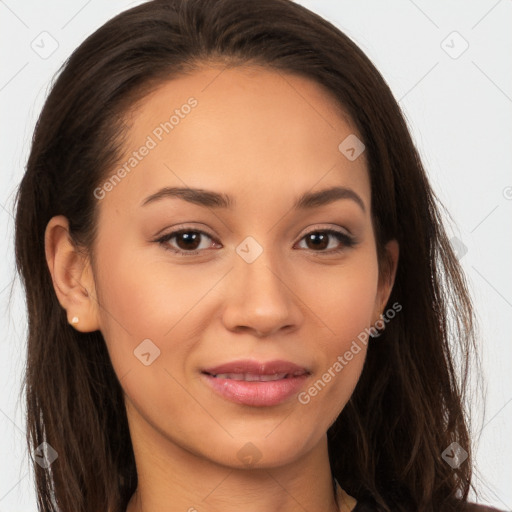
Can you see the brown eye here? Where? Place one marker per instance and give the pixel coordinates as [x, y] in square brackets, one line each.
[185, 241]
[318, 241]
[188, 240]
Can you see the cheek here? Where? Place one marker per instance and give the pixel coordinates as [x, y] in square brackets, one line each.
[344, 304]
[136, 303]
[343, 298]
[145, 300]
[146, 314]
[144, 296]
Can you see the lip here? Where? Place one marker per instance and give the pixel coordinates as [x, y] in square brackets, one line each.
[256, 393]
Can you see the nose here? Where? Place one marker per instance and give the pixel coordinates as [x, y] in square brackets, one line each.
[261, 298]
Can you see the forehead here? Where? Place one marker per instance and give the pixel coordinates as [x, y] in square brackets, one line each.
[238, 130]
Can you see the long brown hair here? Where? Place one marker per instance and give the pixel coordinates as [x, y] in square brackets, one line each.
[408, 406]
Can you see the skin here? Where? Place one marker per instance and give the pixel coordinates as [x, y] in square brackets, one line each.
[264, 138]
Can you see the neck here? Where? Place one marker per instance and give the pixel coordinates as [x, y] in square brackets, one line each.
[174, 479]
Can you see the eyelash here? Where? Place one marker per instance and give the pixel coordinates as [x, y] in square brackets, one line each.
[346, 240]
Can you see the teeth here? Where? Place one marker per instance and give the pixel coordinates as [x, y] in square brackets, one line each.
[265, 378]
[249, 377]
[233, 376]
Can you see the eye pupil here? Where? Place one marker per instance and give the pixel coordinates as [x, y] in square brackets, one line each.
[320, 240]
[189, 237]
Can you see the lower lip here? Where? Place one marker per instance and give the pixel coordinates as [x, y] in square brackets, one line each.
[256, 393]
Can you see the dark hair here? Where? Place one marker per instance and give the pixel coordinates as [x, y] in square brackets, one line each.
[408, 405]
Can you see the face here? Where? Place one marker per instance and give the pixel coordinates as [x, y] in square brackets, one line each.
[230, 313]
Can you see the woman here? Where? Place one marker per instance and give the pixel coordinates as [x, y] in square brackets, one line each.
[237, 276]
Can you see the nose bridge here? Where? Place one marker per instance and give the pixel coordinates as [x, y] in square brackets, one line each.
[261, 298]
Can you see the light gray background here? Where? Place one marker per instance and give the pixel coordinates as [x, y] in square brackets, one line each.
[458, 106]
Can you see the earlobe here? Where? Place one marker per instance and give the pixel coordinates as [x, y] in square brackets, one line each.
[72, 276]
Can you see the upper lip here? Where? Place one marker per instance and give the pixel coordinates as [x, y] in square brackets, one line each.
[257, 368]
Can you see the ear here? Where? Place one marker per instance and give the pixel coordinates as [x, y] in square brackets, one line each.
[72, 275]
[386, 277]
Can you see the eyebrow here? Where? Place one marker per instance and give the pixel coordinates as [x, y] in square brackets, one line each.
[210, 199]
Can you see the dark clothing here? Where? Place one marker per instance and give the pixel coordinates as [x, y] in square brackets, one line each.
[470, 507]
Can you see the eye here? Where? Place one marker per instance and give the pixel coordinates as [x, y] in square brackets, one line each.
[187, 240]
[319, 240]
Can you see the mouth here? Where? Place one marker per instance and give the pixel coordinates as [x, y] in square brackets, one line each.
[254, 383]
[251, 377]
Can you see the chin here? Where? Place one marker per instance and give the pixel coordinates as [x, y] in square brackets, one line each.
[259, 452]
